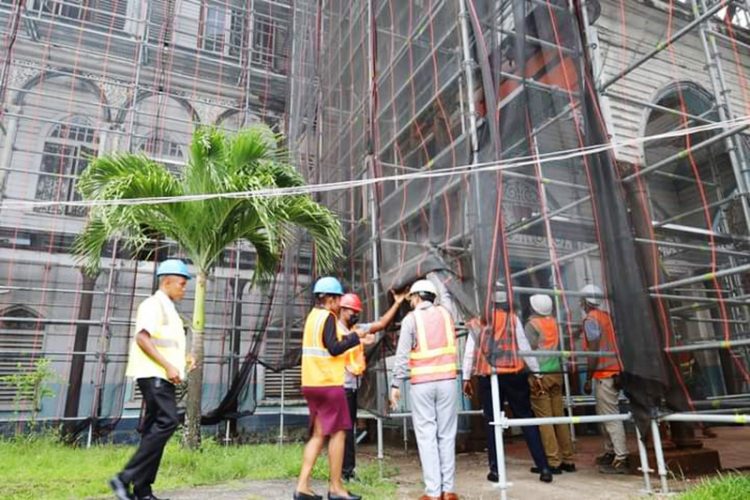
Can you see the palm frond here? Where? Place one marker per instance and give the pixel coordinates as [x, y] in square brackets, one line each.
[249, 160]
[322, 225]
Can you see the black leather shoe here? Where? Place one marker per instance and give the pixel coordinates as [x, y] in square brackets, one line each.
[545, 476]
[150, 496]
[493, 477]
[553, 470]
[120, 489]
[348, 496]
[568, 467]
[306, 496]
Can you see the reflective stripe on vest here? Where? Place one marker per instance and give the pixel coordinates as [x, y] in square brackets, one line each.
[173, 343]
[319, 368]
[606, 366]
[434, 357]
[549, 340]
[498, 350]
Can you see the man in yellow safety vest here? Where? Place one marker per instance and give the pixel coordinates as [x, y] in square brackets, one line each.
[157, 362]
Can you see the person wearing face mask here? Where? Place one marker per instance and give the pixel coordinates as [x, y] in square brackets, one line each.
[351, 307]
[426, 355]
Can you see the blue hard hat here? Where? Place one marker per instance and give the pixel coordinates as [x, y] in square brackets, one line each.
[328, 285]
[173, 267]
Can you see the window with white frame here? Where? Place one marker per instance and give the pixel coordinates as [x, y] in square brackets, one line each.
[21, 341]
[264, 40]
[66, 153]
[160, 147]
[221, 29]
[101, 14]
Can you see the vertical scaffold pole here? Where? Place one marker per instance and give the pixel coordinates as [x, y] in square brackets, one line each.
[660, 465]
[645, 469]
[498, 419]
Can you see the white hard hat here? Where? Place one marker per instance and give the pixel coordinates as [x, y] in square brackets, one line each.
[541, 304]
[425, 286]
[591, 292]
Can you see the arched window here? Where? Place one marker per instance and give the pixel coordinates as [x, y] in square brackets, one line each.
[164, 150]
[67, 152]
[675, 193]
[21, 344]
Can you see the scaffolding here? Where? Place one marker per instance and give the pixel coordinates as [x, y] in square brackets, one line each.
[491, 102]
[470, 138]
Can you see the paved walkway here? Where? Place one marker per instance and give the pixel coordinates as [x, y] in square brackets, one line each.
[587, 483]
[471, 484]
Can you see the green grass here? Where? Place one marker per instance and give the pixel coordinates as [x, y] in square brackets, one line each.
[44, 468]
[729, 486]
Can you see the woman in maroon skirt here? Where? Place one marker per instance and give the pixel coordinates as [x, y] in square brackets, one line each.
[323, 365]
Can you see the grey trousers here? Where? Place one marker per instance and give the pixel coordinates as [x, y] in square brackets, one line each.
[434, 408]
[607, 404]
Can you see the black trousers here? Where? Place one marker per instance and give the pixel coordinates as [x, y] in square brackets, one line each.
[514, 388]
[351, 435]
[159, 423]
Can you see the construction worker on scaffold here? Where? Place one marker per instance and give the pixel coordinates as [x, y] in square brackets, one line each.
[350, 308]
[494, 351]
[426, 356]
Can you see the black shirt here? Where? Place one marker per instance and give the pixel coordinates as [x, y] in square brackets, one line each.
[335, 346]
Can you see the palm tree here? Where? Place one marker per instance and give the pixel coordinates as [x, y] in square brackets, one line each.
[249, 160]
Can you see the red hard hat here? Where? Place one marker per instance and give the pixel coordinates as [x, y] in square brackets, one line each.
[351, 301]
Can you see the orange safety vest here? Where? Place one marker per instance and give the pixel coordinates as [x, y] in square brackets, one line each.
[549, 340]
[319, 368]
[498, 351]
[606, 366]
[434, 357]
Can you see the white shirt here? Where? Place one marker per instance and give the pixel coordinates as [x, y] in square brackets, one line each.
[521, 342]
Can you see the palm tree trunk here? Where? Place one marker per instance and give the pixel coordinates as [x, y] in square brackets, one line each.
[192, 436]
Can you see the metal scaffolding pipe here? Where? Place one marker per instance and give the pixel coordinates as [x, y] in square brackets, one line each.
[659, 452]
[548, 263]
[699, 300]
[701, 278]
[524, 225]
[682, 215]
[566, 354]
[555, 292]
[703, 346]
[682, 154]
[663, 45]
[575, 419]
[710, 320]
[743, 419]
[688, 246]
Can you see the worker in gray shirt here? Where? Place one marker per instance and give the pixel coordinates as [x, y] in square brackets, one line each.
[426, 355]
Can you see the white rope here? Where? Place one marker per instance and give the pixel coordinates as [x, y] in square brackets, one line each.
[493, 166]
